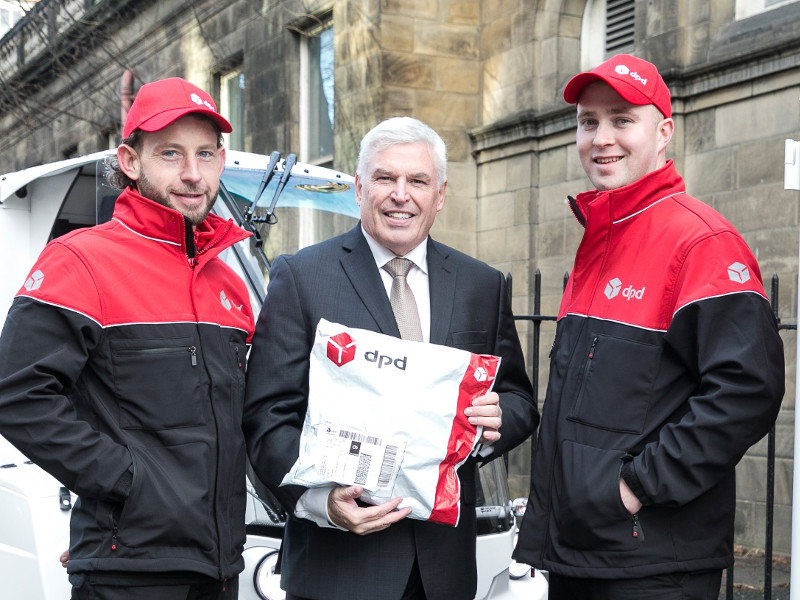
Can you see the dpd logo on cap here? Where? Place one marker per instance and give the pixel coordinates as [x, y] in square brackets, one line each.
[623, 70]
[200, 102]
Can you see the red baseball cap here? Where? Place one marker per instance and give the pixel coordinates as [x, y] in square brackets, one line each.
[159, 103]
[636, 80]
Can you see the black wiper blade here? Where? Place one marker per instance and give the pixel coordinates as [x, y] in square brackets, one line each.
[274, 157]
[269, 218]
[242, 220]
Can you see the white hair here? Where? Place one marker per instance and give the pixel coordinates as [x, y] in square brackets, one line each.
[402, 130]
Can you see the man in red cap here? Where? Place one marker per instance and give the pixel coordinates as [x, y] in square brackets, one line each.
[667, 366]
[122, 367]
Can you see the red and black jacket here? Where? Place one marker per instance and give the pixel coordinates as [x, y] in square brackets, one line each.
[667, 366]
[122, 365]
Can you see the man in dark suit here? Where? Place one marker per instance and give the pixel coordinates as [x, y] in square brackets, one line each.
[336, 546]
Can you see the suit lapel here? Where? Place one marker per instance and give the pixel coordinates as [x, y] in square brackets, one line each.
[359, 266]
[442, 284]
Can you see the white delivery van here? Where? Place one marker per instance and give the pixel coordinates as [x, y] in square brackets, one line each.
[287, 205]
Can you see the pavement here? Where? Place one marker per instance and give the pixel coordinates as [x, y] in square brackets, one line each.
[748, 577]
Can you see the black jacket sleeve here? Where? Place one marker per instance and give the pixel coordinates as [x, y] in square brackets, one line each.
[44, 350]
[731, 345]
[277, 385]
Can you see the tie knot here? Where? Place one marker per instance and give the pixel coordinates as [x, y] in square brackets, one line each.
[398, 267]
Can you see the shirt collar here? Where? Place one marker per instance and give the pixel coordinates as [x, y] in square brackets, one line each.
[382, 255]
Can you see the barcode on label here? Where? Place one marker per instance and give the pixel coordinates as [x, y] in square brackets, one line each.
[360, 437]
[362, 469]
[387, 466]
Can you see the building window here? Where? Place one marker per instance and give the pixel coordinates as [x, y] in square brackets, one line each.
[10, 14]
[749, 8]
[316, 94]
[607, 29]
[619, 26]
[231, 106]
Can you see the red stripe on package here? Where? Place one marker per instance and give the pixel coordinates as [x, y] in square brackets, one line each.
[482, 369]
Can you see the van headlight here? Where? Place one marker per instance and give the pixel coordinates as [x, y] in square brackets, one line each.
[266, 581]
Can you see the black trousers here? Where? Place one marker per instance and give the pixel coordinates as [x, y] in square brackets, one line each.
[671, 586]
[413, 591]
[146, 586]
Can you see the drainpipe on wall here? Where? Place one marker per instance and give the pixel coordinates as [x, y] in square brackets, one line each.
[791, 181]
[125, 95]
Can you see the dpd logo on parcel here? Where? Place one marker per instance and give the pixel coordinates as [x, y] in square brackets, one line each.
[341, 350]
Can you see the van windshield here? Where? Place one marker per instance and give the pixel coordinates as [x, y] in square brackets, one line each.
[314, 204]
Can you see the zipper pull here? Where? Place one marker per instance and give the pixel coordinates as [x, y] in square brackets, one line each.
[238, 360]
[114, 531]
[592, 349]
[637, 528]
[193, 352]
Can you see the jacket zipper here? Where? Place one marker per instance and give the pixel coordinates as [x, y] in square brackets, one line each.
[591, 354]
[215, 242]
[587, 367]
[638, 533]
[194, 253]
[114, 531]
[191, 349]
[556, 340]
[573, 206]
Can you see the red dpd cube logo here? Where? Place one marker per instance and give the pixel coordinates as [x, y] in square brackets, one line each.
[341, 349]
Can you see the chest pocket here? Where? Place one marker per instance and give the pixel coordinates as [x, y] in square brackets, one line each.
[472, 341]
[158, 383]
[615, 383]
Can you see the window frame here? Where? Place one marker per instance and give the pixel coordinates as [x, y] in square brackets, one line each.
[594, 34]
[750, 8]
[313, 28]
[236, 139]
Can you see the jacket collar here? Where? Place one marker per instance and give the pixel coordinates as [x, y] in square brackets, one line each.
[597, 209]
[163, 224]
[359, 265]
[442, 282]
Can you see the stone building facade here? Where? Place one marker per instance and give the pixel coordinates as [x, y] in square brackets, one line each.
[488, 76]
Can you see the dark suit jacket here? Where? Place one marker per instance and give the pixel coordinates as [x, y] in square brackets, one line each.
[338, 280]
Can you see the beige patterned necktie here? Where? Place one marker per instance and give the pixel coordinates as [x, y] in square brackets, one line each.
[402, 299]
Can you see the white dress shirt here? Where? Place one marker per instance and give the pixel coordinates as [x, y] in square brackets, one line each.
[417, 278]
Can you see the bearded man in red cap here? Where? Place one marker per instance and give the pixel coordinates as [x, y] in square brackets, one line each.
[122, 367]
[666, 367]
